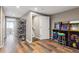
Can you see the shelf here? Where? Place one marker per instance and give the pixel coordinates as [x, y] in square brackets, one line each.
[56, 29]
[59, 30]
[64, 30]
[74, 30]
[67, 30]
[70, 33]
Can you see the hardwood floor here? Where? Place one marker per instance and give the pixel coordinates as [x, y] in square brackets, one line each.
[43, 46]
[40, 46]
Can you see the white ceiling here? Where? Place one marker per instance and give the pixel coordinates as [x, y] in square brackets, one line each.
[18, 12]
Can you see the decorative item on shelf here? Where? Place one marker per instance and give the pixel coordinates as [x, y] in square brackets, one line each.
[58, 25]
[74, 25]
[64, 27]
[55, 36]
[61, 38]
[73, 40]
[74, 44]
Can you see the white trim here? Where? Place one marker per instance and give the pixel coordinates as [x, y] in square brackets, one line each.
[28, 41]
[1, 37]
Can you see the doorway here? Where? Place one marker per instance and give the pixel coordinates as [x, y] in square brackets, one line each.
[10, 42]
[40, 27]
[10, 29]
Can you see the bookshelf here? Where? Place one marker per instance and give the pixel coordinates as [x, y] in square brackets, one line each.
[71, 31]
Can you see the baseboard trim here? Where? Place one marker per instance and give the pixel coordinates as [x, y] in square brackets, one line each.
[35, 39]
[28, 41]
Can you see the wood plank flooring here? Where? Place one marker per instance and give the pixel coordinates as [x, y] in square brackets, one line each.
[43, 46]
[40, 46]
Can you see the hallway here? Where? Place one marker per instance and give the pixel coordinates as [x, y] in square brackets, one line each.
[10, 44]
[11, 40]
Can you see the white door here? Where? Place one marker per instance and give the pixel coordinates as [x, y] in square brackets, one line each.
[44, 27]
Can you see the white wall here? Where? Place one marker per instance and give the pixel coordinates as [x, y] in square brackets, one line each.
[2, 27]
[28, 18]
[70, 15]
[41, 26]
[36, 26]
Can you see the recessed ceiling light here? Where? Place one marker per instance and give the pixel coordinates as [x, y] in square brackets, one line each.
[17, 6]
[36, 9]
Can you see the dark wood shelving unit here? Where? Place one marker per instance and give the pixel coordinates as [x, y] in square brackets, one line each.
[69, 33]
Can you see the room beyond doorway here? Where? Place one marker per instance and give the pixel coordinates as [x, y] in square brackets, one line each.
[10, 43]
